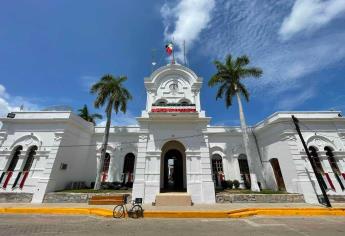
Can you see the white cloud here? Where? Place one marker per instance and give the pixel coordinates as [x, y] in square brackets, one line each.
[188, 18]
[309, 15]
[88, 81]
[250, 27]
[10, 103]
[295, 99]
[120, 119]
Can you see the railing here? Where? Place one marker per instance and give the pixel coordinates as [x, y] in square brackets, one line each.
[173, 105]
[173, 108]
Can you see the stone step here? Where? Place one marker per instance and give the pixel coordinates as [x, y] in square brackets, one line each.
[173, 199]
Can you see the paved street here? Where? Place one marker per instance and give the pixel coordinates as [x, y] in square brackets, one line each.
[87, 225]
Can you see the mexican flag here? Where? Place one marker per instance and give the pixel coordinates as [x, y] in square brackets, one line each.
[169, 48]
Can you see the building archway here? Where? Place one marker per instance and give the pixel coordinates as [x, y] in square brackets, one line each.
[244, 170]
[217, 169]
[128, 169]
[278, 174]
[173, 167]
[105, 168]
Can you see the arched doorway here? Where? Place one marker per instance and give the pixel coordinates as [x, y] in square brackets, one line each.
[128, 169]
[105, 168]
[244, 170]
[217, 169]
[278, 174]
[173, 174]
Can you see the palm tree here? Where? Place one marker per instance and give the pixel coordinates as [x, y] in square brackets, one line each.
[110, 92]
[84, 113]
[229, 78]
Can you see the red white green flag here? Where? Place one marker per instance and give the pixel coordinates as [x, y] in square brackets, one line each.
[169, 48]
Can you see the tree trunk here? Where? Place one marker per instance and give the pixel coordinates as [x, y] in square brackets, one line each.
[103, 150]
[253, 180]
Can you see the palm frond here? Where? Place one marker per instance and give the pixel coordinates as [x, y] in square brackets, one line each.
[243, 90]
[242, 61]
[255, 72]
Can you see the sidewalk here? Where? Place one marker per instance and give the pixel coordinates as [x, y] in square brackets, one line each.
[230, 210]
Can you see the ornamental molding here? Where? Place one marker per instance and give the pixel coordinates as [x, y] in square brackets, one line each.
[58, 136]
[3, 137]
[26, 141]
[320, 142]
[236, 149]
[288, 136]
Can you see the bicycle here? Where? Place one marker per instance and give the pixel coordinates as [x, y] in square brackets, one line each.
[135, 211]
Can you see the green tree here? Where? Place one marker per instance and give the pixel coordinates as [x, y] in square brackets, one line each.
[111, 93]
[84, 113]
[229, 78]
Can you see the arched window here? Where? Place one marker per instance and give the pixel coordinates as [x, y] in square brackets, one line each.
[244, 170]
[161, 102]
[22, 176]
[316, 159]
[30, 159]
[184, 102]
[11, 167]
[15, 159]
[335, 168]
[128, 169]
[278, 174]
[217, 169]
[320, 173]
[105, 168]
[128, 166]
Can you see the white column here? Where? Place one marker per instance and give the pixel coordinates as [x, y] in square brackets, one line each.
[139, 180]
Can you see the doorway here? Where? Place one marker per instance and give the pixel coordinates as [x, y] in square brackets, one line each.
[173, 174]
[173, 171]
[278, 174]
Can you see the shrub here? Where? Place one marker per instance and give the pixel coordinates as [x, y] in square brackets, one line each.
[229, 183]
[236, 183]
[224, 184]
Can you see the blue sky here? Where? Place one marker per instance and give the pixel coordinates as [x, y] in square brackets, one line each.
[51, 51]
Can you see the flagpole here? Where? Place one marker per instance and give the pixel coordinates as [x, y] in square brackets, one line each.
[184, 52]
[173, 57]
[173, 52]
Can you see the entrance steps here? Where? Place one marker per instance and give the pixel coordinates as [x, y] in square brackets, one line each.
[173, 199]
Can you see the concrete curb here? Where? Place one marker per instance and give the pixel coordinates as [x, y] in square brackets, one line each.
[240, 213]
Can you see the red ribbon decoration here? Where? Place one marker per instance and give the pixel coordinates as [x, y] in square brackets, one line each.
[25, 176]
[8, 177]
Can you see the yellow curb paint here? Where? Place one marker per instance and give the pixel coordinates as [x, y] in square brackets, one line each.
[185, 214]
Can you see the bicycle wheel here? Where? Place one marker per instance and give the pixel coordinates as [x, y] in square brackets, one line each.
[119, 211]
[137, 211]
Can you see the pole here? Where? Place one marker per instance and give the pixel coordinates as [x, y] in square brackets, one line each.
[296, 121]
[173, 52]
[184, 52]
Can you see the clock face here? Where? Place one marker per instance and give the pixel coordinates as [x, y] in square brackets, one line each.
[173, 86]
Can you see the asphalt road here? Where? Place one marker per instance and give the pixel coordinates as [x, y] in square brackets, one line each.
[11, 225]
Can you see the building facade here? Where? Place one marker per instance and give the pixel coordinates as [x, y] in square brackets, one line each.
[172, 149]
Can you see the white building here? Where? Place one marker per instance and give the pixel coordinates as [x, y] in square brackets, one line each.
[173, 148]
